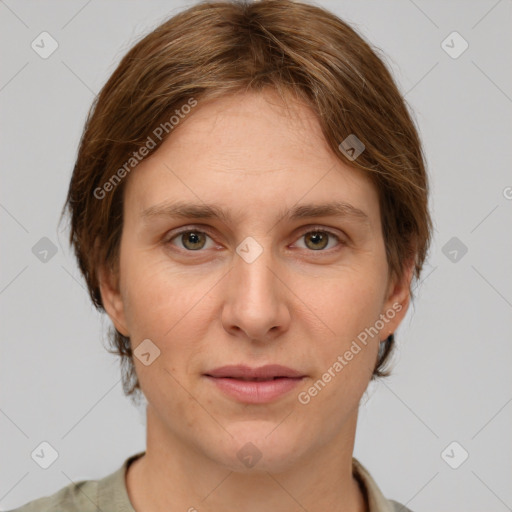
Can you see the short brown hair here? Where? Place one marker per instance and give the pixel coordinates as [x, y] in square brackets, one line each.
[217, 48]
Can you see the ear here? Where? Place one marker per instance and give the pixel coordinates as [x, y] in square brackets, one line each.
[112, 298]
[397, 301]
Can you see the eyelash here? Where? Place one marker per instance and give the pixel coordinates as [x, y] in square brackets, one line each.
[314, 229]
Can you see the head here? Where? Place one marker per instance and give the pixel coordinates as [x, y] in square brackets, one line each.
[254, 113]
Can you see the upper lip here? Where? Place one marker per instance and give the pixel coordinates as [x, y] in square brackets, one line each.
[268, 371]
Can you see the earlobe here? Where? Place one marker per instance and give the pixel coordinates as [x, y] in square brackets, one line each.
[112, 298]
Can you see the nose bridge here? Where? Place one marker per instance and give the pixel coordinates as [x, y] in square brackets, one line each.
[255, 298]
[252, 276]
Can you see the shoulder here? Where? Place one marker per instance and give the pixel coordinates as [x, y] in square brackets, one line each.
[107, 494]
[76, 497]
[398, 507]
[376, 500]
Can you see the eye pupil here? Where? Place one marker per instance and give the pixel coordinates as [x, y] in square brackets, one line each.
[317, 237]
[194, 238]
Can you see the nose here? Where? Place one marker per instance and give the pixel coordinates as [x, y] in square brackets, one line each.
[256, 299]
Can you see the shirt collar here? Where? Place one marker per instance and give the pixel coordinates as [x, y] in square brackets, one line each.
[375, 499]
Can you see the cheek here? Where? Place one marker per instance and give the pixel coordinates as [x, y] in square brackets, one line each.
[345, 355]
[164, 304]
[346, 303]
[170, 309]
[345, 344]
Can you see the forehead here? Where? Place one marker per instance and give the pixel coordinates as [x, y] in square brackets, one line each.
[251, 153]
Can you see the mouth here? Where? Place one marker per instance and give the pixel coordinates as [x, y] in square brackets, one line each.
[248, 379]
[242, 372]
[255, 385]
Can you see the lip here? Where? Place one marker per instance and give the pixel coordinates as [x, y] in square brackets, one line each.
[255, 385]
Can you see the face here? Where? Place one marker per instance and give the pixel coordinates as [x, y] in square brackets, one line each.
[266, 276]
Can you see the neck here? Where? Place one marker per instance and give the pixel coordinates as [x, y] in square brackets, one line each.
[173, 476]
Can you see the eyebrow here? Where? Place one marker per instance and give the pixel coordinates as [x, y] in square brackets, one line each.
[186, 210]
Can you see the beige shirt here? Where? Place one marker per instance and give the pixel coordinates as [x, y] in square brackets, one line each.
[109, 494]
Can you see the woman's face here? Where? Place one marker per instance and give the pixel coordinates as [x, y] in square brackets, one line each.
[269, 282]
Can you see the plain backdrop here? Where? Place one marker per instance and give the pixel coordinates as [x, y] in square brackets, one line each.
[451, 380]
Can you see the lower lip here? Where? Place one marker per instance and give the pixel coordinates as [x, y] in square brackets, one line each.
[256, 392]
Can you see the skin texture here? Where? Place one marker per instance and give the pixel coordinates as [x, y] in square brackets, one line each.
[295, 305]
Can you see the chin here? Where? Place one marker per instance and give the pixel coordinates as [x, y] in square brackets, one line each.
[258, 447]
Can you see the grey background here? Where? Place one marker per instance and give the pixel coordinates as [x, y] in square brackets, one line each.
[452, 379]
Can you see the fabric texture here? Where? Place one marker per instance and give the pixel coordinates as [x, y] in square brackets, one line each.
[109, 494]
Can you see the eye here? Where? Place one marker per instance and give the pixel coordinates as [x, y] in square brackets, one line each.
[318, 239]
[194, 239]
[191, 240]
